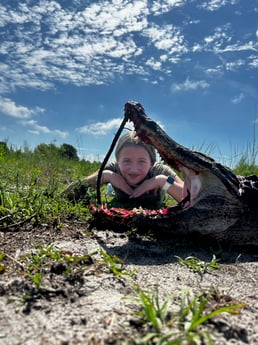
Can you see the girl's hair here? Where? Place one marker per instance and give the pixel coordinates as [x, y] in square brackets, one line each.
[130, 139]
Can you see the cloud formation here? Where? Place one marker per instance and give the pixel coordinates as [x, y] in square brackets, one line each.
[47, 42]
[100, 128]
[189, 85]
[103, 128]
[181, 45]
[10, 108]
[238, 99]
[35, 128]
[213, 5]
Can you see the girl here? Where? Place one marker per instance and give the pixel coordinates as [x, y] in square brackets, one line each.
[137, 179]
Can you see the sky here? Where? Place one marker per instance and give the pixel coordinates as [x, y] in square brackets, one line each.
[68, 67]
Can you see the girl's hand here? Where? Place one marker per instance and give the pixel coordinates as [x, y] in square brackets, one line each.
[117, 181]
[151, 184]
[154, 183]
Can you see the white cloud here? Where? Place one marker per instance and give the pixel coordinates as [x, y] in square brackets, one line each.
[82, 46]
[61, 134]
[156, 65]
[214, 71]
[253, 61]
[213, 5]
[189, 85]
[92, 42]
[10, 108]
[238, 99]
[221, 35]
[38, 129]
[238, 47]
[166, 37]
[100, 128]
[233, 66]
[222, 42]
[160, 7]
[118, 16]
[241, 87]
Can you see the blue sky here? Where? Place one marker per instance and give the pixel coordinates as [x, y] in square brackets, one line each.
[68, 67]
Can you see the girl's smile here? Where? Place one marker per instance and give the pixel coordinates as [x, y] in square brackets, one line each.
[134, 164]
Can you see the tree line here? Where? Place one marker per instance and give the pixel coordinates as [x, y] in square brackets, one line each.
[65, 151]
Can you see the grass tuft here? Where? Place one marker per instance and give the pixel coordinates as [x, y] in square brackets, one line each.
[180, 319]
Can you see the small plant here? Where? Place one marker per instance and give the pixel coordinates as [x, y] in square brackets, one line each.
[173, 325]
[36, 279]
[198, 265]
[115, 264]
[153, 311]
[47, 256]
[2, 266]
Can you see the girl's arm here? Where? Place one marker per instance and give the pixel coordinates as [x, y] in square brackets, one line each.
[107, 176]
[154, 183]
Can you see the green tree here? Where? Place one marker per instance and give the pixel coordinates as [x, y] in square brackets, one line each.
[3, 149]
[69, 152]
[47, 150]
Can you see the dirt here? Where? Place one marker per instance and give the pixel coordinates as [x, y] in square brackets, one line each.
[87, 305]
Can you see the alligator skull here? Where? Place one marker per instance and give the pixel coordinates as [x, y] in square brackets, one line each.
[214, 203]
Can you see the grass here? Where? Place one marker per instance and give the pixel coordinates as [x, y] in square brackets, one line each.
[31, 183]
[114, 265]
[30, 191]
[38, 262]
[2, 265]
[198, 265]
[179, 319]
[31, 186]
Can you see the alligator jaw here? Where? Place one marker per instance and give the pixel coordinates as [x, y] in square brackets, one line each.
[174, 154]
[212, 203]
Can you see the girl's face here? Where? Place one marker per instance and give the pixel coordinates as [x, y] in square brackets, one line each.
[134, 163]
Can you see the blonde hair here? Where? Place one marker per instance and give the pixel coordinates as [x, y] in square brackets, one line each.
[131, 139]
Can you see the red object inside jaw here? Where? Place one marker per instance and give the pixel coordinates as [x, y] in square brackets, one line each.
[123, 213]
[121, 219]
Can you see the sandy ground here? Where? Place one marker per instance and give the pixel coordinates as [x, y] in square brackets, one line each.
[91, 308]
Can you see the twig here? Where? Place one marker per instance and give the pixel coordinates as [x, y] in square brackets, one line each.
[107, 157]
[15, 225]
[14, 260]
[4, 217]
